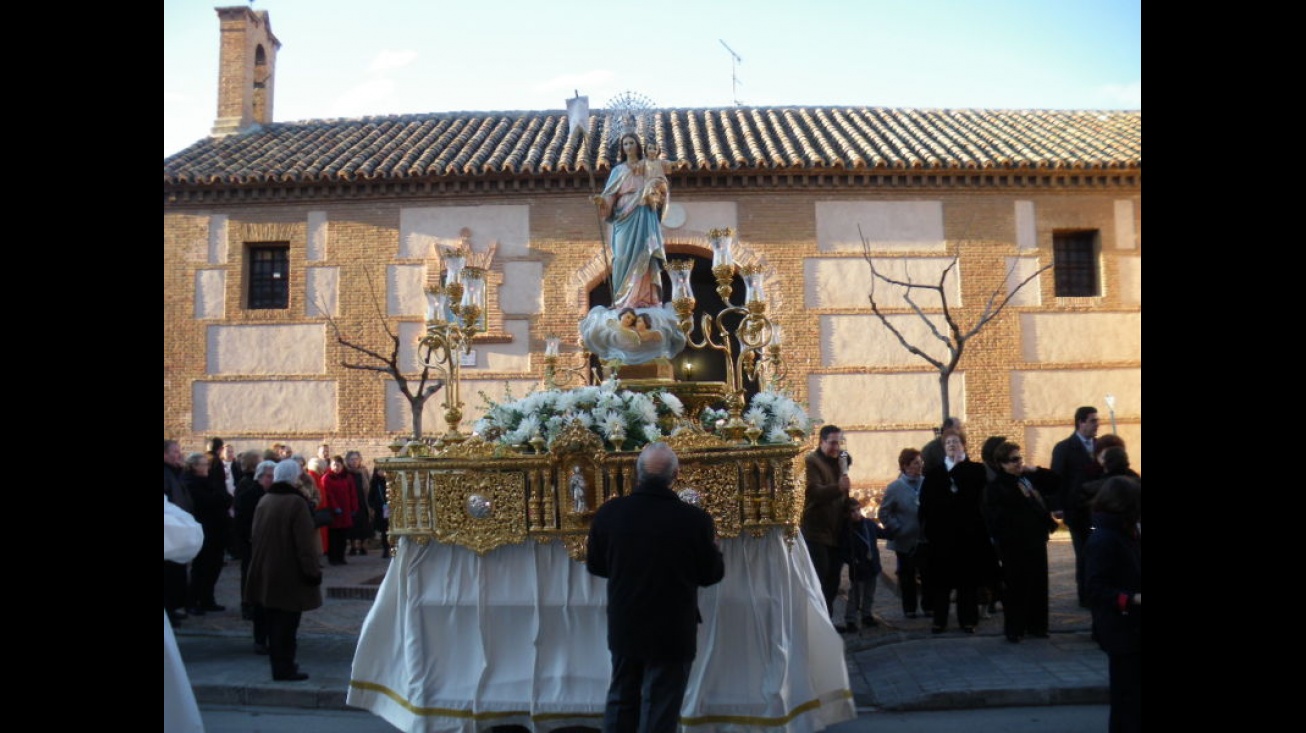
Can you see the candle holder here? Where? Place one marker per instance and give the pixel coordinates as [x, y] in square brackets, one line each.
[454, 312]
[752, 329]
[579, 373]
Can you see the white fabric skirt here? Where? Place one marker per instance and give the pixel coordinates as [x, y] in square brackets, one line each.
[457, 642]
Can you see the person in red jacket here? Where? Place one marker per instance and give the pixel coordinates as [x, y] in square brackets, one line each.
[339, 493]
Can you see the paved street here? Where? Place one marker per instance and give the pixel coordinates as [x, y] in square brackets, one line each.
[896, 666]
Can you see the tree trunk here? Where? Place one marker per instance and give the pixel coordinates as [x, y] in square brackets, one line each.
[944, 376]
[416, 404]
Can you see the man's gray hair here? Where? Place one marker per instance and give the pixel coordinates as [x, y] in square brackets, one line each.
[657, 460]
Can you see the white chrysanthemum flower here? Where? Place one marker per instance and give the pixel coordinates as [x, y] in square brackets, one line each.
[643, 409]
[516, 436]
[613, 422]
[481, 426]
[566, 402]
[672, 402]
[586, 396]
[777, 435]
[609, 400]
[755, 416]
[652, 432]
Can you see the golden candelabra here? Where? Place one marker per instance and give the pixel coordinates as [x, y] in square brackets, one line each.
[580, 373]
[759, 347]
[453, 318]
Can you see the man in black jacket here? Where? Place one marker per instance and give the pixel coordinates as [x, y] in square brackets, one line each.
[1072, 461]
[656, 552]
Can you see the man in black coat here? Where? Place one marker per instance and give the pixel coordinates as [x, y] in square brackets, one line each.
[656, 552]
[1073, 462]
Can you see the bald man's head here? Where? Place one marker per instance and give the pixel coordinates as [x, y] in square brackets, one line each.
[658, 464]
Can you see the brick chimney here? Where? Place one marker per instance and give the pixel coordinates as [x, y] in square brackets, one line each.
[246, 70]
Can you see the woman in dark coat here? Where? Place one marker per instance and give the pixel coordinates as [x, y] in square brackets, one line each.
[952, 523]
[284, 577]
[361, 532]
[379, 502]
[1113, 565]
[1020, 523]
[211, 502]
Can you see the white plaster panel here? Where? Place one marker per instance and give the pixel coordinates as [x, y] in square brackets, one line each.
[508, 225]
[218, 239]
[1061, 338]
[887, 225]
[846, 282]
[278, 406]
[1026, 229]
[258, 350]
[405, 290]
[1019, 268]
[1129, 279]
[700, 216]
[862, 340]
[874, 399]
[1125, 238]
[323, 289]
[509, 357]
[210, 294]
[875, 455]
[1039, 440]
[318, 233]
[409, 334]
[1054, 394]
[522, 292]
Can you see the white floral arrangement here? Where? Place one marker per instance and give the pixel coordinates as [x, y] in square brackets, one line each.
[713, 418]
[604, 409]
[774, 413]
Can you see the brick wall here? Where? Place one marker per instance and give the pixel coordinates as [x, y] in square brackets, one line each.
[777, 224]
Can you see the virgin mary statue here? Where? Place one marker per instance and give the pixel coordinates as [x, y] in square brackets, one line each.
[634, 201]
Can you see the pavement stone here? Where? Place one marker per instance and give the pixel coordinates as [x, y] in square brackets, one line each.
[897, 665]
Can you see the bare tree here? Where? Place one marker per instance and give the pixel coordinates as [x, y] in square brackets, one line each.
[956, 336]
[417, 390]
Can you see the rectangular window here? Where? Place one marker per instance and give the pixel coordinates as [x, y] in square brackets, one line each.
[269, 276]
[1074, 260]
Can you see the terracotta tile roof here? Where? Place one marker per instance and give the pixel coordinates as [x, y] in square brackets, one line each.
[452, 145]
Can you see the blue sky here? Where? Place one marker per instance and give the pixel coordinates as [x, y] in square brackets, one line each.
[377, 57]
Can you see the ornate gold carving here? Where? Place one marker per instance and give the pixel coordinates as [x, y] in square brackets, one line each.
[745, 488]
[473, 447]
[505, 520]
[576, 544]
[718, 485]
[576, 438]
[694, 439]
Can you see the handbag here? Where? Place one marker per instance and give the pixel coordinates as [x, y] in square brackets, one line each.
[323, 517]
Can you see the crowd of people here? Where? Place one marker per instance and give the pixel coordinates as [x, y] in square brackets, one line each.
[278, 515]
[968, 535]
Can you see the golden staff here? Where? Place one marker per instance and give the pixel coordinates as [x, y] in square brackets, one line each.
[579, 116]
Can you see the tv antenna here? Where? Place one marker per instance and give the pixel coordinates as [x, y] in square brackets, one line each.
[734, 67]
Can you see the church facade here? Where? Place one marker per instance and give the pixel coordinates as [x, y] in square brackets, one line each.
[276, 234]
